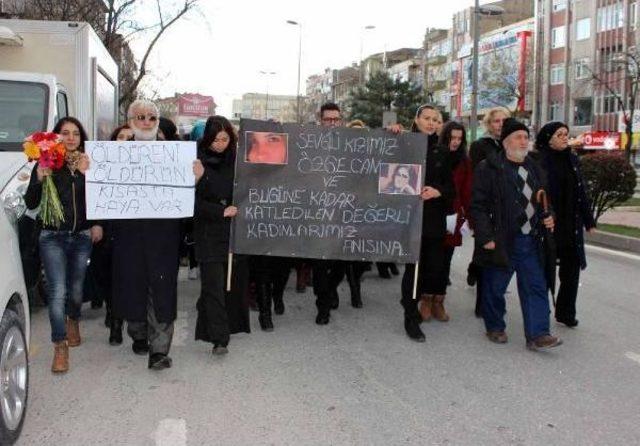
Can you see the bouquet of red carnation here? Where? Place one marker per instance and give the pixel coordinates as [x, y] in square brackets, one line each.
[47, 148]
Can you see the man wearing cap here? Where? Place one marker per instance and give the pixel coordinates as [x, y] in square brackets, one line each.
[509, 225]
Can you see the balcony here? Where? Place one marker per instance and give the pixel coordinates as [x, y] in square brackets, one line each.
[437, 85]
[436, 60]
[435, 35]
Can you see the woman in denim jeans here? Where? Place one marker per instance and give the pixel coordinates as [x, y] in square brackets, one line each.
[65, 250]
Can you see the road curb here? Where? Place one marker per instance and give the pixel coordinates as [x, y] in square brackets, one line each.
[614, 241]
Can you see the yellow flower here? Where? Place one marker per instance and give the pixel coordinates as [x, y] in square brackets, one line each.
[32, 150]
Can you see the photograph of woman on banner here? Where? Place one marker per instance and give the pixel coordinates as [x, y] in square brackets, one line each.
[266, 148]
[399, 179]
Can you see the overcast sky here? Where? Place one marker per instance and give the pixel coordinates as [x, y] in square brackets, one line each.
[221, 50]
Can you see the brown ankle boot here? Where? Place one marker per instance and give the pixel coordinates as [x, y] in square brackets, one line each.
[73, 333]
[425, 306]
[439, 313]
[60, 357]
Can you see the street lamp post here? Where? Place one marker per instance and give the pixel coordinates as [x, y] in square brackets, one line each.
[490, 10]
[266, 105]
[364, 29]
[299, 25]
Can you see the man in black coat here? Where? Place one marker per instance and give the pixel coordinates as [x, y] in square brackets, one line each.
[145, 265]
[509, 225]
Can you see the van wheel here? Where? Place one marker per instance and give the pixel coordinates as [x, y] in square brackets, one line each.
[14, 377]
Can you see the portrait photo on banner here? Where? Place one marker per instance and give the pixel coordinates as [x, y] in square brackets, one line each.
[266, 148]
[399, 179]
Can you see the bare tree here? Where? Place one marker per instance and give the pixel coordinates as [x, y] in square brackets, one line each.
[616, 70]
[122, 25]
[117, 22]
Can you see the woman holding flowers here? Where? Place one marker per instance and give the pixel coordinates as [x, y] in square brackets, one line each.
[57, 186]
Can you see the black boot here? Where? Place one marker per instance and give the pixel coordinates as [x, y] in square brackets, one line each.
[334, 300]
[412, 327]
[263, 299]
[107, 317]
[115, 336]
[394, 269]
[279, 284]
[354, 286]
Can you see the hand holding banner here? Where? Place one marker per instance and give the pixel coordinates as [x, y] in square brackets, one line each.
[140, 179]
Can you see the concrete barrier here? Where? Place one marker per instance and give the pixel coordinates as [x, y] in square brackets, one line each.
[614, 241]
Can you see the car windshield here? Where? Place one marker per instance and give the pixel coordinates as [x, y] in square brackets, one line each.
[23, 110]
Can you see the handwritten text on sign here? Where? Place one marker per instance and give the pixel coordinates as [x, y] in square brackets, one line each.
[140, 179]
[314, 192]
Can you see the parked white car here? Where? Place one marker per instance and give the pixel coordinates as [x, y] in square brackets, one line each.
[14, 304]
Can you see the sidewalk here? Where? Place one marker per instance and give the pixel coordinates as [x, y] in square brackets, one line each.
[622, 216]
[627, 216]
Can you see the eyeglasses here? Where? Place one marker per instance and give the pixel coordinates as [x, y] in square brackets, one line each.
[331, 120]
[403, 175]
[150, 118]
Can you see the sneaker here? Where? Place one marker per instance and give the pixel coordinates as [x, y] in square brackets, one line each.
[543, 342]
[219, 350]
[159, 361]
[499, 337]
[194, 273]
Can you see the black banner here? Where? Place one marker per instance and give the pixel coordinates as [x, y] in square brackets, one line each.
[315, 192]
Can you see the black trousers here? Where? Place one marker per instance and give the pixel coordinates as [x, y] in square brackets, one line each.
[448, 257]
[569, 274]
[213, 321]
[432, 278]
[327, 275]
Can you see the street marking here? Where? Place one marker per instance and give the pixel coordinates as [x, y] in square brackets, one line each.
[633, 356]
[181, 329]
[628, 255]
[171, 432]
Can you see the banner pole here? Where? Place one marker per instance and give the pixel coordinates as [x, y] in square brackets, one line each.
[415, 280]
[229, 270]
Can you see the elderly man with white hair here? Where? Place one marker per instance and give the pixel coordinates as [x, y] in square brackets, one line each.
[145, 265]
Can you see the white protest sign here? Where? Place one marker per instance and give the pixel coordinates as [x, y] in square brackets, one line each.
[140, 179]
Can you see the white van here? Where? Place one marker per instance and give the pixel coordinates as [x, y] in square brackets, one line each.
[14, 304]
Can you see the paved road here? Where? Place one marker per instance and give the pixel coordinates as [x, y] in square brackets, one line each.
[358, 380]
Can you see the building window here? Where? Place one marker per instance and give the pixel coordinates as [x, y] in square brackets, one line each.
[582, 68]
[609, 104]
[555, 111]
[557, 74]
[610, 17]
[559, 5]
[583, 29]
[558, 37]
[582, 111]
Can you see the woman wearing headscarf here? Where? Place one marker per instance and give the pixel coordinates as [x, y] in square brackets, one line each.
[571, 205]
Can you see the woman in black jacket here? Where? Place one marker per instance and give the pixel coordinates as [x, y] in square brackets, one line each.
[569, 199]
[437, 193]
[65, 250]
[219, 313]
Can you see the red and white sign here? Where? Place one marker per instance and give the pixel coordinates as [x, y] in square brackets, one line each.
[602, 140]
[195, 105]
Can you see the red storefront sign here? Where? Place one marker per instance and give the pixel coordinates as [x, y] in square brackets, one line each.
[195, 105]
[602, 140]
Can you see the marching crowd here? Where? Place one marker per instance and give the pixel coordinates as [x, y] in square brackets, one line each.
[517, 201]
